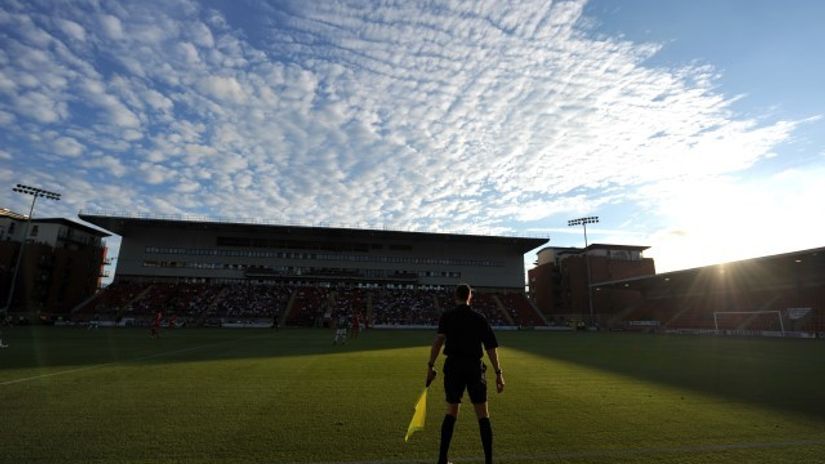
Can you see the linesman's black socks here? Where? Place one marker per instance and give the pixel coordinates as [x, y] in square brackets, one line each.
[446, 436]
[486, 438]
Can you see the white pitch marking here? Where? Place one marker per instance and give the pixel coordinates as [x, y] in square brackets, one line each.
[34, 377]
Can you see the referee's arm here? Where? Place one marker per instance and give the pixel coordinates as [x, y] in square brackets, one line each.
[434, 351]
[492, 353]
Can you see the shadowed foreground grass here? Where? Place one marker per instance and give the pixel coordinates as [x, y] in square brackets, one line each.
[257, 396]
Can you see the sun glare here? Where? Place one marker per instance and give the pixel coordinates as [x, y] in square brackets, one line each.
[718, 221]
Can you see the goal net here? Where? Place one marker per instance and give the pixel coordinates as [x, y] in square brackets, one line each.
[748, 320]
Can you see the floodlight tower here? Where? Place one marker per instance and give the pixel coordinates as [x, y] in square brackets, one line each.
[584, 221]
[35, 193]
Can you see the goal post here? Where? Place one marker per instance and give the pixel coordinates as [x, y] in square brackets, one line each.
[778, 315]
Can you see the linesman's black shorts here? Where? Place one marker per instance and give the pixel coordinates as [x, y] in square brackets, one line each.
[465, 373]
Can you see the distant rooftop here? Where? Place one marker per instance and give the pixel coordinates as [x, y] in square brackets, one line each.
[596, 246]
[74, 225]
[5, 212]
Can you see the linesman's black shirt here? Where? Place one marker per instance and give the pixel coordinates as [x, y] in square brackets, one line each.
[466, 330]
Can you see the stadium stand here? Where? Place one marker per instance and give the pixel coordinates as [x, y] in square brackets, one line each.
[311, 307]
[743, 297]
[252, 301]
[297, 304]
[404, 307]
[485, 303]
[114, 298]
[697, 312]
[211, 271]
[349, 301]
[520, 309]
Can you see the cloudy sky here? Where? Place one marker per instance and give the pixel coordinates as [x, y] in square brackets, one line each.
[693, 127]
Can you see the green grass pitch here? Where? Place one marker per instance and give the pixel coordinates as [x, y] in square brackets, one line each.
[257, 396]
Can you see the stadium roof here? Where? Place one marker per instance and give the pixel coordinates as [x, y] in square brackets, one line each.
[122, 225]
[595, 246]
[608, 246]
[813, 259]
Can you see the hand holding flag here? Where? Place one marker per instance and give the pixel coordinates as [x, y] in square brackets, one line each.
[420, 414]
[430, 376]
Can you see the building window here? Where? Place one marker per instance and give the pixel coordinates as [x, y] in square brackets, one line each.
[11, 227]
[35, 230]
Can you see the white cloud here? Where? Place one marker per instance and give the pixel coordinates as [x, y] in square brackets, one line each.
[187, 186]
[40, 107]
[6, 175]
[223, 88]
[155, 173]
[234, 163]
[109, 163]
[149, 34]
[67, 146]
[117, 112]
[7, 85]
[111, 26]
[202, 35]
[30, 32]
[188, 53]
[480, 116]
[131, 135]
[157, 100]
[132, 65]
[5, 155]
[72, 29]
[6, 118]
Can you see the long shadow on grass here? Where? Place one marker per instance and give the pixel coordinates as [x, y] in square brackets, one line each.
[58, 347]
[777, 373]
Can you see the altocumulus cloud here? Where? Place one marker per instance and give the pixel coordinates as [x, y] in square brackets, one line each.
[449, 116]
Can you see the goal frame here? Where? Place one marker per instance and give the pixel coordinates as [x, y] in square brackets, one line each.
[778, 314]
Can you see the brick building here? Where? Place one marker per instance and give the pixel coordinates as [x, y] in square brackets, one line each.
[61, 266]
[558, 283]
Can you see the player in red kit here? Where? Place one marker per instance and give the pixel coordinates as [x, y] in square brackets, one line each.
[156, 324]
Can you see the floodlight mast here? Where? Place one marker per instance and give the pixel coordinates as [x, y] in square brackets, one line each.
[35, 193]
[584, 221]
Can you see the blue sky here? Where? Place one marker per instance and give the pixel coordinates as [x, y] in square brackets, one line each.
[693, 127]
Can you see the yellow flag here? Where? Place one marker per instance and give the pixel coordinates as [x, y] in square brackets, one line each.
[419, 416]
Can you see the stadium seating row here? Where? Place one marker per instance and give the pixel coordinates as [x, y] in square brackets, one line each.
[299, 305]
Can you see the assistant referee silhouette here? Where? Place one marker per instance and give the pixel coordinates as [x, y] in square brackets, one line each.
[462, 331]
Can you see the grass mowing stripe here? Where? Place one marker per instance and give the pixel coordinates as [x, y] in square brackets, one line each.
[142, 358]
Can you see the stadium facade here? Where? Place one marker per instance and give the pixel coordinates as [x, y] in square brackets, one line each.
[202, 251]
[558, 283]
[61, 266]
